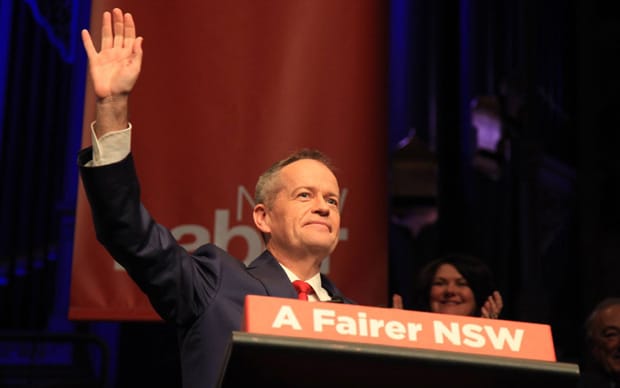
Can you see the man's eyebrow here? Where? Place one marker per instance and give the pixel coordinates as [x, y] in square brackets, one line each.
[298, 188]
[315, 188]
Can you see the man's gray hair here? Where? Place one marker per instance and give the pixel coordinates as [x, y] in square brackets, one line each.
[267, 186]
[602, 305]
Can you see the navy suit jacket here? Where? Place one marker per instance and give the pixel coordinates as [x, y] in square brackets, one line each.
[201, 293]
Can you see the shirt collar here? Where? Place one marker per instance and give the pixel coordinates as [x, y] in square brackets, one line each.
[314, 281]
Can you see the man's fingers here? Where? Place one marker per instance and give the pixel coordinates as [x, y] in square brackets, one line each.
[89, 47]
[119, 27]
[118, 30]
[137, 47]
[130, 30]
[106, 31]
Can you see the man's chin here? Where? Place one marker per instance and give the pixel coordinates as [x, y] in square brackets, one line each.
[321, 247]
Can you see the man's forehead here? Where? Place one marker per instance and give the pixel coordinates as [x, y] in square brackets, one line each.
[305, 163]
[308, 172]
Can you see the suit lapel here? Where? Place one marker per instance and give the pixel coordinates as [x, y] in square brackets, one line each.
[266, 269]
[332, 290]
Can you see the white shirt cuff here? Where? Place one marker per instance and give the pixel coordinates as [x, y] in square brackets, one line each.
[111, 147]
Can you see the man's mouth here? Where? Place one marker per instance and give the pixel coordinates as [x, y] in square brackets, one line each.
[318, 223]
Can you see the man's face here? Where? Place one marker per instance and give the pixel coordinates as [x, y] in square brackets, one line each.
[450, 293]
[304, 218]
[606, 335]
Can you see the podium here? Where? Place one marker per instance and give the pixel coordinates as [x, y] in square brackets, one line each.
[260, 358]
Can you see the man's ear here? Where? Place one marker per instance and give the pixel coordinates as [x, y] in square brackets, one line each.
[261, 218]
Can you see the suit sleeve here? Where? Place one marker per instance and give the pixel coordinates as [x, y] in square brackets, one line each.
[178, 285]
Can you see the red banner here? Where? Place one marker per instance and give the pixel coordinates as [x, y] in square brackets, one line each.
[396, 327]
[226, 89]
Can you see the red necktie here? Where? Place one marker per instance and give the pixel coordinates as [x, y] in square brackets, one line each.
[303, 289]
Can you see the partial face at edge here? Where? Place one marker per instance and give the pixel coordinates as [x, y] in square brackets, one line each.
[606, 333]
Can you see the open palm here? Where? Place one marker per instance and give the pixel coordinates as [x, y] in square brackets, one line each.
[115, 69]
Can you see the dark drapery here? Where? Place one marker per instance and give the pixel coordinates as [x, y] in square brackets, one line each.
[42, 72]
[546, 219]
[42, 87]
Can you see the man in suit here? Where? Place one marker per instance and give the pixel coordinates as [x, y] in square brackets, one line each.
[297, 211]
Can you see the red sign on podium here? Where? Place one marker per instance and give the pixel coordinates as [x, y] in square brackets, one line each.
[394, 327]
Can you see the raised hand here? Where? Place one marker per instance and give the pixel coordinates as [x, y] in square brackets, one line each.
[115, 68]
[492, 306]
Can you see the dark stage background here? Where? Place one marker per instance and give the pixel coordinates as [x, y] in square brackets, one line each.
[543, 214]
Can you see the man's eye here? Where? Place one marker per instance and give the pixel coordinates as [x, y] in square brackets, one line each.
[304, 195]
[332, 201]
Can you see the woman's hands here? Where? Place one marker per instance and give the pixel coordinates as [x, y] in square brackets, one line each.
[397, 301]
[492, 306]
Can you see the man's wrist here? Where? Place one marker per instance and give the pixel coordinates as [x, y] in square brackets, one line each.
[111, 114]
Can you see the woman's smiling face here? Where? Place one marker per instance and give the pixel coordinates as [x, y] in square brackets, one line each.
[450, 292]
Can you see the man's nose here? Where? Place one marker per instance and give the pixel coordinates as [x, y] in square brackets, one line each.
[321, 206]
